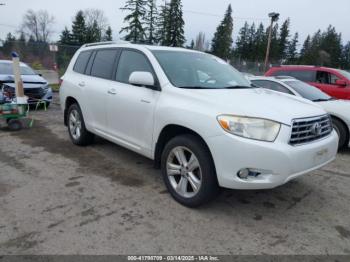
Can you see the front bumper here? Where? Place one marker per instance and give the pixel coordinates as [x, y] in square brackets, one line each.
[47, 97]
[278, 162]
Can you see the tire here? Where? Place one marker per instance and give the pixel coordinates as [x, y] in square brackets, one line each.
[15, 124]
[47, 105]
[342, 131]
[78, 133]
[196, 185]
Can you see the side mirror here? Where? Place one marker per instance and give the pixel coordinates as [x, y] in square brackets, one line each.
[141, 79]
[341, 83]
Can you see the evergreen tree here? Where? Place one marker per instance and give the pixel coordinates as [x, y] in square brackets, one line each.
[66, 37]
[283, 40]
[108, 34]
[93, 33]
[150, 19]
[346, 56]
[79, 29]
[222, 42]
[162, 24]
[242, 49]
[260, 43]
[292, 49]
[135, 30]
[306, 50]
[331, 43]
[8, 44]
[175, 33]
[252, 43]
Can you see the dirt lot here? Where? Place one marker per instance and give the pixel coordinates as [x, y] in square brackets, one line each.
[56, 198]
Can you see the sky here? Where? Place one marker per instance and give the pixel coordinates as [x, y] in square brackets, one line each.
[307, 16]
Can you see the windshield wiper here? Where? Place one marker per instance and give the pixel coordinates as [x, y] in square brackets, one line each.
[239, 87]
[195, 87]
[322, 100]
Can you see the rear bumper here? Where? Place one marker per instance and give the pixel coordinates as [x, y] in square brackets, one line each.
[276, 162]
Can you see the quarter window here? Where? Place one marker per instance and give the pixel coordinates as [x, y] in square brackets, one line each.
[104, 63]
[80, 64]
[129, 62]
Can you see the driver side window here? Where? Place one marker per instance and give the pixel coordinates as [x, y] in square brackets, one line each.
[129, 62]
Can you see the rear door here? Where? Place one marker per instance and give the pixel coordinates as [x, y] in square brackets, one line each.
[100, 70]
[130, 109]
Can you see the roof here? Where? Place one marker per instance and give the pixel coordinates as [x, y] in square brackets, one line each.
[301, 67]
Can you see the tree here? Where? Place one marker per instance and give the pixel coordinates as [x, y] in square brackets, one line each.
[200, 42]
[346, 56]
[150, 20]
[135, 30]
[242, 49]
[66, 37]
[96, 16]
[79, 29]
[260, 42]
[162, 24]
[222, 42]
[175, 34]
[306, 50]
[283, 40]
[292, 49]
[38, 25]
[93, 33]
[109, 34]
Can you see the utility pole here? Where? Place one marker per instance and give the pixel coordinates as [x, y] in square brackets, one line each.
[274, 17]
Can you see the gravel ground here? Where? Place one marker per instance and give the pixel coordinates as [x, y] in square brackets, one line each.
[56, 198]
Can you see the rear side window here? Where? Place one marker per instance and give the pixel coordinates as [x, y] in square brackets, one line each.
[272, 86]
[80, 64]
[303, 75]
[129, 62]
[103, 63]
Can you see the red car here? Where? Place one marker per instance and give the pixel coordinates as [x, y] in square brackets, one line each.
[334, 82]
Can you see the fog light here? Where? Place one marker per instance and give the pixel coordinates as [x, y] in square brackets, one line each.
[246, 173]
[243, 173]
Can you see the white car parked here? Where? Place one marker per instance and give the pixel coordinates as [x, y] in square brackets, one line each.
[197, 117]
[338, 109]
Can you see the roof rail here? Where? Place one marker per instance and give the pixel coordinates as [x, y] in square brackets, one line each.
[106, 43]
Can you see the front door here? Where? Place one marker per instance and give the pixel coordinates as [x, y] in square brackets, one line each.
[130, 109]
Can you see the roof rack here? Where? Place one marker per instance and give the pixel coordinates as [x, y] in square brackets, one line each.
[106, 43]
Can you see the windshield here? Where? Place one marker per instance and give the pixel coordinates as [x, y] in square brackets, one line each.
[307, 91]
[6, 69]
[344, 73]
[199, 71]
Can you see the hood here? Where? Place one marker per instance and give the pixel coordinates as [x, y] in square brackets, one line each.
[29, 81]
[260, 103]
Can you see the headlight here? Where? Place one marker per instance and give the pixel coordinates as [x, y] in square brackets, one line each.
[252, 128]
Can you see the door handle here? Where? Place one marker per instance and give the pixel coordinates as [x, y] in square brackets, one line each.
[112, 92]
[81, 84]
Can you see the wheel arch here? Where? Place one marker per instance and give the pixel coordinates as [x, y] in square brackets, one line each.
[169, 132]
[344, 124]
[69, 101]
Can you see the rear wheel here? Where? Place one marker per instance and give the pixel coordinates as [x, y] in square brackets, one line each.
[76, 127]
[342, 131]
[188, 171]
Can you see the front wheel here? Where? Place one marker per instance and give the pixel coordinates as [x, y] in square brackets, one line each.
[342, 132]
[76, 127]
[188, 171]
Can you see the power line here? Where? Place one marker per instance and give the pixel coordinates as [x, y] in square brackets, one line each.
[217, 15]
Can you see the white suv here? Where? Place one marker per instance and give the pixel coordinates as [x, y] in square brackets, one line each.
[197, 117]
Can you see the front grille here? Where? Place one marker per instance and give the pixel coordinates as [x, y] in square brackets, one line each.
[36, 93]
[306, 130]
[32, 93]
